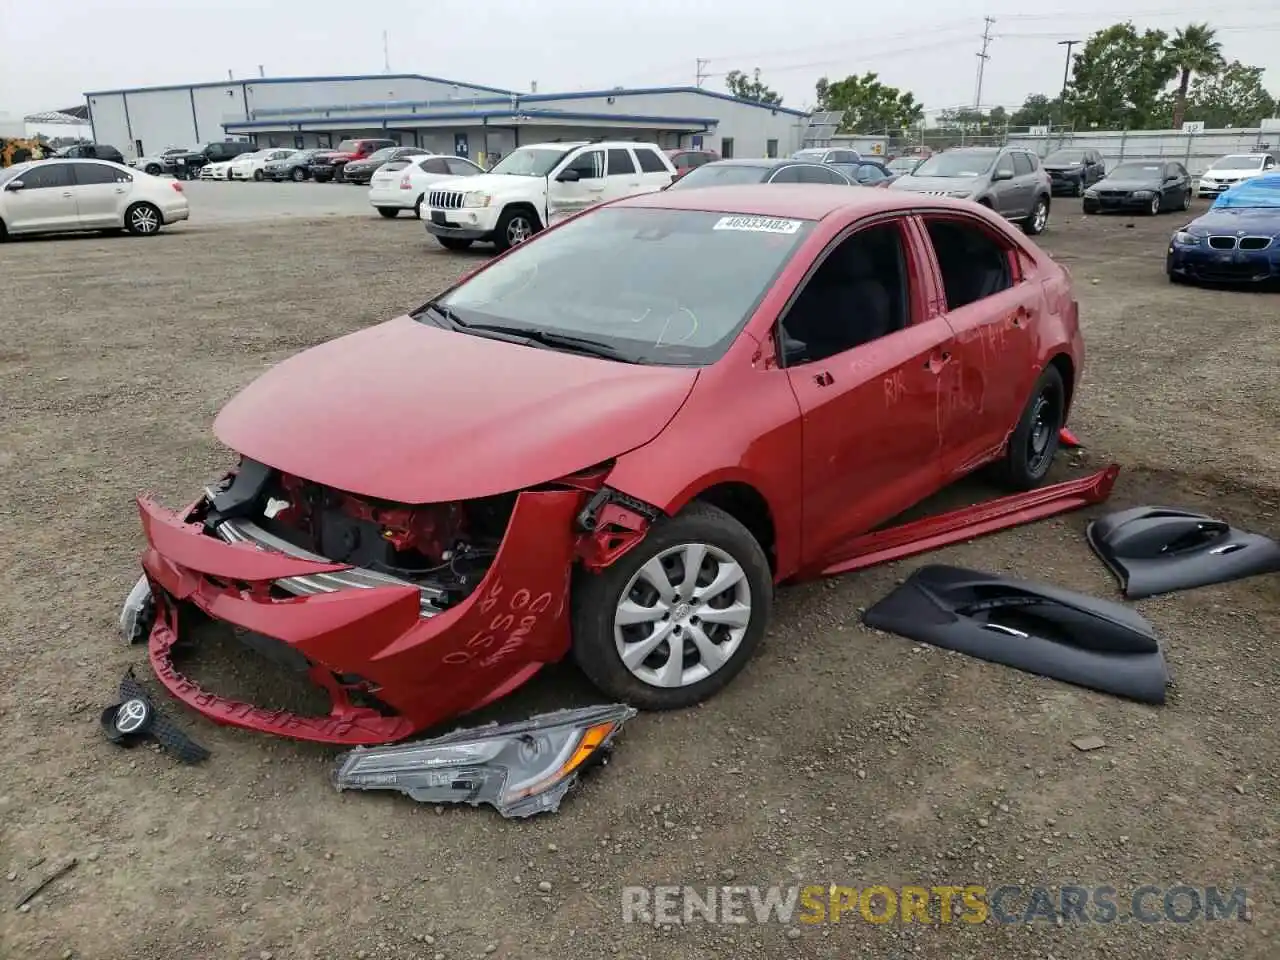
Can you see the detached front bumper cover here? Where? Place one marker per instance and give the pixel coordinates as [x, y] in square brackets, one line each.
[520, 768]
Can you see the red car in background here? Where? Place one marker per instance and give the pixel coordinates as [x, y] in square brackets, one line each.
[611, 443]
[328, 164]
[685, 159]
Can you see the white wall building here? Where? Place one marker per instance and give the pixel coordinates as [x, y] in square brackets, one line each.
[440, 115]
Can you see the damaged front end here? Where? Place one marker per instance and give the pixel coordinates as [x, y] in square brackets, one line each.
[405, 615]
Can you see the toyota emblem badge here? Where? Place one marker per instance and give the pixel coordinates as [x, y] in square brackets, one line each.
[131, 715]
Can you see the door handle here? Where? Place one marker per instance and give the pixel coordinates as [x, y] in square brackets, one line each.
[823, 379]
[937, 361]
[1019, 316]
[68, 194]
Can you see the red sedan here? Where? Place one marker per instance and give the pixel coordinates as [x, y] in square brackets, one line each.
[611, 443]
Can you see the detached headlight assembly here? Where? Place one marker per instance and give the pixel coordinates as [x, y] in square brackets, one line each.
[1184, 239]
[519, 768]
[476, 198]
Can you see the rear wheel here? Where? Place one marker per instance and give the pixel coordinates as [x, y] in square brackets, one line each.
[1035, 224]
[389, 212]
[455, 243]
[1034, 442]
[417, 208]
[675, 619]
[143, 219]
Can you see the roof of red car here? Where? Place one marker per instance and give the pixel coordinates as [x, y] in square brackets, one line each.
[804, 201]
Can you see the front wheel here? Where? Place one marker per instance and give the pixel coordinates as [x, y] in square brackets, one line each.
[675, 619]
[1186, 200]
[389, 212]
[1153, 208]
[516, 225]
[1034, 441]
[1035, 224]
[299, 174]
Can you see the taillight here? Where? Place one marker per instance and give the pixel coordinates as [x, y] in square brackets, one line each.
[176, 185]
[405, 184]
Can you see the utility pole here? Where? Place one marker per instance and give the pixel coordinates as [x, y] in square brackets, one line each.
[700, 74]
[1066, 74]
[983, 57]
[386, 54]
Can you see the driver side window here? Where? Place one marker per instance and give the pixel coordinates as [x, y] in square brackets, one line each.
[858, 294]
[589, 165]
[1005, 165]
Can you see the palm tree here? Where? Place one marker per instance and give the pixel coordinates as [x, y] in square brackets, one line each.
[1194, 49]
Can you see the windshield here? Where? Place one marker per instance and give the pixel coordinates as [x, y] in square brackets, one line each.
[381, 155]
[1064, 157]
[1238, 163]
[1137, 171]
[656, 286]
[8, 173]
[348, 146]
[529, 161]
[956, 163]
[721, 175]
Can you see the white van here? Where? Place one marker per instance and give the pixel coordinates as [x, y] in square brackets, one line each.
[538, 185]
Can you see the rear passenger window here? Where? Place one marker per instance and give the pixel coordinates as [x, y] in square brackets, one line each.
[620, 162]
[650, 162]
[460, 168]
[973, 264]
[1021, 164]
[787, 175]
[435, 165]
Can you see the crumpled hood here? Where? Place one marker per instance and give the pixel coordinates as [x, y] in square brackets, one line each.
[415, 414]
[1260, 221]
[940, 184]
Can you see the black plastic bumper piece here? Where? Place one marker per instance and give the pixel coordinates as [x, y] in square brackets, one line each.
[1029, 626]
[1156, 550]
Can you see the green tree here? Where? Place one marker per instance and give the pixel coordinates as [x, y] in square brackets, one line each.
[1036, 111]
[869, 106]
[1118, 77]
[1233, 96]
[1193, 50]
[750, 88]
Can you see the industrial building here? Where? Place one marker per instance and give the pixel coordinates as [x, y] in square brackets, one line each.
[467, 119]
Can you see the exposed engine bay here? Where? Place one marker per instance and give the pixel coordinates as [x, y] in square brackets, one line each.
[445, 549]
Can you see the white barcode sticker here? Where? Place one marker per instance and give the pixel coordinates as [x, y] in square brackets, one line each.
[757, 224]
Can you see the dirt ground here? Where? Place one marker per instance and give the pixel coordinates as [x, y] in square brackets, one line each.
[838, 757]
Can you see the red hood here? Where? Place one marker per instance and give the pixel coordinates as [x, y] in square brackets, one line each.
[415, 414]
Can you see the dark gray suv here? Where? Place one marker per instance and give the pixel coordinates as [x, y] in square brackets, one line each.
[1009, 180]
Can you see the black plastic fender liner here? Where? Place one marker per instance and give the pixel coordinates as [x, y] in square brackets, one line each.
[1155, 550]
[1029, 626]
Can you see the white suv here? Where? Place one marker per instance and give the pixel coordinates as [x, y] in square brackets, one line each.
[536, 186]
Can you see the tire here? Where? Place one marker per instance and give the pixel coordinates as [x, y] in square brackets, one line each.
[1088, 209]
[153, 169]
[455, 243]
[1078, 189]
[259, 175]
[699, 530]
[1186, 200]
[298, 174]
[143, 219]
[389, 212]
[1034, 225]
[516, 225]
[4, 232]
[1034, 441]
[1153, 209]
[417, 207]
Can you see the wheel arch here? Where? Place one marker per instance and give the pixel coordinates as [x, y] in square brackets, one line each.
[522, 205]
[749, 507]
[1067, 370]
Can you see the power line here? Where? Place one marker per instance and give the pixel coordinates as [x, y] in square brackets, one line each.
[700, 71]
[983, 57]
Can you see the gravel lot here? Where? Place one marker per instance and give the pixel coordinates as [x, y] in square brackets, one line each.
[220, 202]
[839, 756]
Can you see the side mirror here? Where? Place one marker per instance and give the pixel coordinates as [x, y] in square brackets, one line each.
[14, 185]
[1002, 175]
[568, 176]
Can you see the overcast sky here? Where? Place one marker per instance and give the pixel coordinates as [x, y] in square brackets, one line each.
[58, 49]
